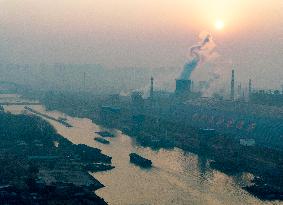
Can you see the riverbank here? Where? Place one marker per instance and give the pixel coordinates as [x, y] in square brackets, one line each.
[225, 153]
[38, 166]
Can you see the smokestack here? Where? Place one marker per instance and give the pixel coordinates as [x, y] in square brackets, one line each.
[232, 95]
[250, 87]
[151, 87]
[240, 90]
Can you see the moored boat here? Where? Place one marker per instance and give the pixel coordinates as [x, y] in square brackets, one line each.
[141, 161]
[101, 140]
[104, 134]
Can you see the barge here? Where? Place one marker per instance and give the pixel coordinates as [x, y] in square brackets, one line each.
[101, 140]
[105, 134]
[141, 161]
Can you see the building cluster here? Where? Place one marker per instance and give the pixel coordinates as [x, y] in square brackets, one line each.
[244, 116]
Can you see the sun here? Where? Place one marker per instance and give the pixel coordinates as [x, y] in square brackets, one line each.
[219, 24]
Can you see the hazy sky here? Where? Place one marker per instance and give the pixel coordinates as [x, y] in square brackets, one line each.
[145, 33]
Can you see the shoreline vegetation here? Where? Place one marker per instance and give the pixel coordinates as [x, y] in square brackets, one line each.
[224, 152]
[39, 166]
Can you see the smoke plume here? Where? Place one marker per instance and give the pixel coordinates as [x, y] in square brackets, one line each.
[196, 56]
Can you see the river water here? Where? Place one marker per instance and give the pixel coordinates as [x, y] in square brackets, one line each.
[177, 177]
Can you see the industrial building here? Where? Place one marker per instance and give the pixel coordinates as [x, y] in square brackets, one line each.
[244, 118]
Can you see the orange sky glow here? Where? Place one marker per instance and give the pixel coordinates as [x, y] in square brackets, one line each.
[141, 33]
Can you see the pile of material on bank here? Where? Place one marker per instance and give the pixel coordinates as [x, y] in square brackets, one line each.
[101, 140]
[104, 134]
[141, 161]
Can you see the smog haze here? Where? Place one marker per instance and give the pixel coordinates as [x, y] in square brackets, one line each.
[145, 35]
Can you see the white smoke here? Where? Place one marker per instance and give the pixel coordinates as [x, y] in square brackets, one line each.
[211, 68]
[196, 53]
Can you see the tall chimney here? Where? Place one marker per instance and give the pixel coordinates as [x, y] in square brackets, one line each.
[240, 90]
[151, 87]
[250, 87]
[232, 95]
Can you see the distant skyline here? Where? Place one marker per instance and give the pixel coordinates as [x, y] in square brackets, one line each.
[136, 33]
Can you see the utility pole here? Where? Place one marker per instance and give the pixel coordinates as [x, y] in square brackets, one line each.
[250, 87]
